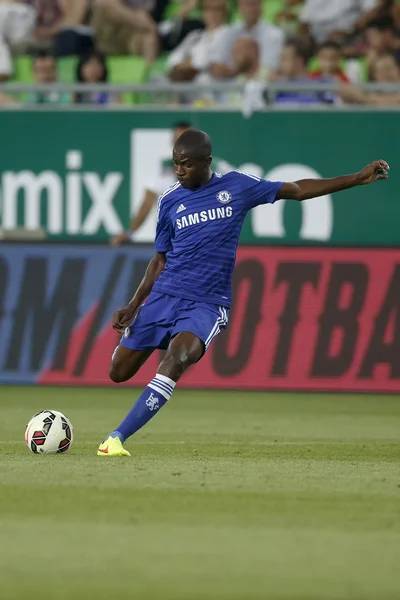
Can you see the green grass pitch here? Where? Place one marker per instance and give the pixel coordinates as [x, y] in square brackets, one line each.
[235, 496]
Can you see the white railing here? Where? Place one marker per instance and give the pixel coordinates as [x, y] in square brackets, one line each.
[157, 93]
[187, 88]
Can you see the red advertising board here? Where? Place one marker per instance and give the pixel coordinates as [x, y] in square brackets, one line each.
[302, 319]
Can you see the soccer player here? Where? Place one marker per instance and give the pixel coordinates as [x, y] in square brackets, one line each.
[188, 282]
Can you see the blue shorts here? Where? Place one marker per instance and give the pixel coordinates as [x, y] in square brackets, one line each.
[162, 317]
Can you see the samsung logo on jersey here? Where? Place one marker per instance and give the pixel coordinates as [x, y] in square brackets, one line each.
[205, 215]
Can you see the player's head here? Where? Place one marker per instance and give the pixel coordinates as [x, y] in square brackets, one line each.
[179, 128]
[192, 158]
[329, 58]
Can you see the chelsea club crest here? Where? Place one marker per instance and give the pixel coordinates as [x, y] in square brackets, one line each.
[224, 197]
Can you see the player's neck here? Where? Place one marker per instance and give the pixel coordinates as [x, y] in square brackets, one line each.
[207, 177]
[204, 181]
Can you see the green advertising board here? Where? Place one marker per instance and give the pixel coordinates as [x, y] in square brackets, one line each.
[81, 175]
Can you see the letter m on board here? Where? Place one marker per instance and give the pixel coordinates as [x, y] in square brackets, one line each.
[40, 315]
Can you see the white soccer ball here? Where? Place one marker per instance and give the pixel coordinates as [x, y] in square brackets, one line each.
[49, 432]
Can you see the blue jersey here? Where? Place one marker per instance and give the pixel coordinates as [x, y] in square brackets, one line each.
[199, 230]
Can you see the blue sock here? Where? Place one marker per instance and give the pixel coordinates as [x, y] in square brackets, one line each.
[157, 393]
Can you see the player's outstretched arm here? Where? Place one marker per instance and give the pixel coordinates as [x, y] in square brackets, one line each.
[123, 318]
[312, 188]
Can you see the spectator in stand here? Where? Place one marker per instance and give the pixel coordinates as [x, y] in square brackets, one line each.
[288, 16]
[62, 27]
[336, 19]
[174, 30]
[380, 38]
[201, 49]
[293, 68]
[250, 73]
[330, 58]
[45, 72]
[126, 27]
[395, 13]
[247, 61]
[270, 39]
[93, 69]
[16, 22]
[385, 69]
[6, 67]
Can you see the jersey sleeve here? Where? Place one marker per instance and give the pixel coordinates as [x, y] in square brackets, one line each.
[164, 228]
[258, 191]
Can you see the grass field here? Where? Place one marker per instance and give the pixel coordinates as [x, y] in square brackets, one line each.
[226, 496]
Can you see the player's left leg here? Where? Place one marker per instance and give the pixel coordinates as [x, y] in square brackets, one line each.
[184, 350]
[194, 327]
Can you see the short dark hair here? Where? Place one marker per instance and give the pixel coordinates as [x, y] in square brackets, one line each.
[382, 24]
[194, 142]
[42, 54]
[330, 46]
[182, 125]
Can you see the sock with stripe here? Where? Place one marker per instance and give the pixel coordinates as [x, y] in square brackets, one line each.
[157, 393]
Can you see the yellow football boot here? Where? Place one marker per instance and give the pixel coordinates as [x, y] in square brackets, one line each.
[112, 447]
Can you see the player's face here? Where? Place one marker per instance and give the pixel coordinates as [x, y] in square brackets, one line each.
[190, 172]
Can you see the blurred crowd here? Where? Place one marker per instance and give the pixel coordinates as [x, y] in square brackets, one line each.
[250, 42]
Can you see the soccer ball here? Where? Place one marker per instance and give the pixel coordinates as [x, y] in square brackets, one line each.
[49, 432]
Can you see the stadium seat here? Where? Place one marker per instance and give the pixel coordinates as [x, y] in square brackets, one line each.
[66, 69]
[313, 66]
[174, 7]
[23, 72]
[127, 70]
[159, 67]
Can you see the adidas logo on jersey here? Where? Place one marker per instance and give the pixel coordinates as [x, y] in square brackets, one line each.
[181, 208]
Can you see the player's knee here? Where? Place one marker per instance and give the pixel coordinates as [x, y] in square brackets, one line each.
[117, 374]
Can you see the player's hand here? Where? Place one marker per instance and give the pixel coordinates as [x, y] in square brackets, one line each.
[123, 318]
[379, 169]
[119, 239]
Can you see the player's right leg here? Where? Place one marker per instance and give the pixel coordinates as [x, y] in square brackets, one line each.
[147, 333]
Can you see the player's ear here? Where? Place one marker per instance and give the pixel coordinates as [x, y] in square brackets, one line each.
[208, 161]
